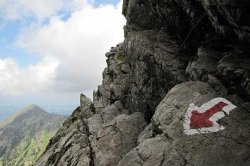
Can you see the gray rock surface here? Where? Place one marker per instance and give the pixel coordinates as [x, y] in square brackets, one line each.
[146, 134]
[101, 139]
[117, 138]
[172, 146]
[168, 42]
[70, 146]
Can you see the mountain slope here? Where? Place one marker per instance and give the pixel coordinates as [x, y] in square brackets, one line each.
[25, 135]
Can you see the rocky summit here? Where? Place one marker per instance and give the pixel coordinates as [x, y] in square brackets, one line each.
[175, 92]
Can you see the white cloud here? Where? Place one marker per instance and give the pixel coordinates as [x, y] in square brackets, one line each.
[33, 79]
[18, 9]
[72, 51]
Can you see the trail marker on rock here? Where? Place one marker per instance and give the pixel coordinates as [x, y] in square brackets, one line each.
[204, 119]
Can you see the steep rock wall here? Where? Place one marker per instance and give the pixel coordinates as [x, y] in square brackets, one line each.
[167, 42]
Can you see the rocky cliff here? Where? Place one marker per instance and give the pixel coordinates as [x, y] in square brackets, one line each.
[175, 92]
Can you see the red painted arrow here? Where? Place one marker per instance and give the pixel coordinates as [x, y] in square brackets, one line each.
[201, 120]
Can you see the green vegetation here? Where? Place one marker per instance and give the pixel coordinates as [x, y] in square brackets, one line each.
[28, 151]
[121, 57]
[25, 135]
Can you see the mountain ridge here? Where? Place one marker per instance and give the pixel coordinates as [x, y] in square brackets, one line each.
[12, 117]
[25, 131]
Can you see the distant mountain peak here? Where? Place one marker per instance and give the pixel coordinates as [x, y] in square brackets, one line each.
[25, 110]
[33, 107]
[25, 134]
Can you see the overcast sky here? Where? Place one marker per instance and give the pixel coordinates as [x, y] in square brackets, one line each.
[53, 50]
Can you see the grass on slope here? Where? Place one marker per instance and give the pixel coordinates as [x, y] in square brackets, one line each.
[28, 151]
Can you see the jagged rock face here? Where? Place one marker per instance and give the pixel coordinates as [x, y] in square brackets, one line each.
[96, 138]
[167, 44]
[172, 41]
[71, 145]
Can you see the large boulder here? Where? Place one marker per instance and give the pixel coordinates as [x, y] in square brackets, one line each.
[226, 144]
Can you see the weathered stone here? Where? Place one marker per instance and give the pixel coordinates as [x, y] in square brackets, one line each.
[106, 115]
[116, 138]
[170, 112]
[125, 68]
[173, 147]
[205, 63]
[86, 106]
[146, 134]
[95, 123]
[153, 152]
[234, 71]
[112, 111]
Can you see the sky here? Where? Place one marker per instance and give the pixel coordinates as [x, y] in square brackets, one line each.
[53, 50]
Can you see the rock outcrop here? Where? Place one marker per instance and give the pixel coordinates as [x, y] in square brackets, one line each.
[172, 147]
[175, 53]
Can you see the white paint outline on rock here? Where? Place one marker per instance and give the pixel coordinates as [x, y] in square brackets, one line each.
[216, 127]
